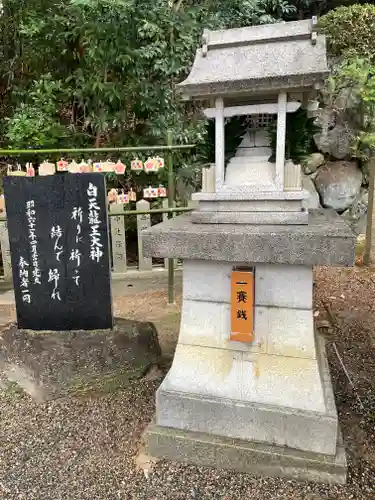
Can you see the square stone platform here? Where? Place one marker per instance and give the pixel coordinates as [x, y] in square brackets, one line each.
[243, 456]
[325, 240]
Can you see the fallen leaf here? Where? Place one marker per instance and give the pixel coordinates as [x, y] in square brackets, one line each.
[144, 462]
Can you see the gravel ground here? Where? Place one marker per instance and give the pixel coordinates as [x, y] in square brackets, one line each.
[84, 447]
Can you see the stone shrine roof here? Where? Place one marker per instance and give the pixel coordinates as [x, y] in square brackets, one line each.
[258, 59]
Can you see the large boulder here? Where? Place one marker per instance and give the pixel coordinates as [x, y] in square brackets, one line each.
[339, 123]
[312, 163]
[338, 184]
[50, 364]
[336, 142]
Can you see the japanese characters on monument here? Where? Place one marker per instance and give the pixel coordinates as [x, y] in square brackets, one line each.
[24, 279]
[54, 273]
[60, 251]
[94, 220]
[75, 254]
[241, 298]
[31, 223]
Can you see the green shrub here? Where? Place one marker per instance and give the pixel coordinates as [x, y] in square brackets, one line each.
[300, 130]
[350, 31]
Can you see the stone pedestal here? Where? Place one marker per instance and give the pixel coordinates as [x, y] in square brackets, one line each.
[275, 390]
[234, 205]
[204, 449]
[52, 364]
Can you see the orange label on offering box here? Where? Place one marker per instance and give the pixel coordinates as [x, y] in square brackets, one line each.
[242, 306]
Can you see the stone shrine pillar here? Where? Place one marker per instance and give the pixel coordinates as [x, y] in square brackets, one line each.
[249, 388]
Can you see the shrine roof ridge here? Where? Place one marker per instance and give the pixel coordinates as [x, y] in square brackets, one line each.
[266, 33]
[258, 58]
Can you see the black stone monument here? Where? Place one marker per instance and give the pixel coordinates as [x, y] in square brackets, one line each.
[59, 245]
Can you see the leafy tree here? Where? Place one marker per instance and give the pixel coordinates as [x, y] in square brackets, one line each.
[356, 76]
[116, 62]
[36, 121]
[350, 31]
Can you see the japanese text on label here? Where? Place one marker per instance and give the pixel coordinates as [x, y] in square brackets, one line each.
[96, 252]
[31, 224]
[75, 254]
[23, 267]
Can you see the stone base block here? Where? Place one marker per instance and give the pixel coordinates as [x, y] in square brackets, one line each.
[241, 193]
[51, 364]
[213, 391]
[325, 240]
[251, 206]
[200, 217]
[297, 429]
[243, 456]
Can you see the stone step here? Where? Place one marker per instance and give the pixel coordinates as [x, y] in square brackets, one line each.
[251, 206]
[252, 218]
[249, 160]
[258, 151]
[205, 449]
[230, 193]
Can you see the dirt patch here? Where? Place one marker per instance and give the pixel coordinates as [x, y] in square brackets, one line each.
[153, 306]
[345, 299]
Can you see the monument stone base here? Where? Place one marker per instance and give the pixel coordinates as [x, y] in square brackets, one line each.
[243, 456]
[247, 419]
[266, 405]
[52, 364]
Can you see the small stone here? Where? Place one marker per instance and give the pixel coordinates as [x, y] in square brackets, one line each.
[323, 324]
[361, 238]
[154, 373]
[144, 462]
[312, 163]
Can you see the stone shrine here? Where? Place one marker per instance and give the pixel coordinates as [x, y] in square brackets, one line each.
[249, 388]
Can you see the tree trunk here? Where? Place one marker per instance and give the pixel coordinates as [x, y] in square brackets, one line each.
[369, 255]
